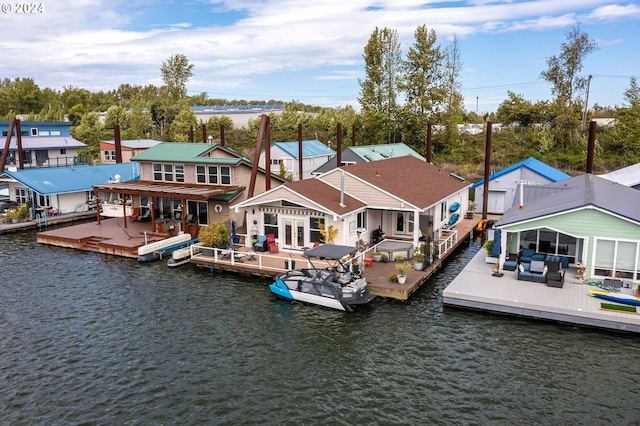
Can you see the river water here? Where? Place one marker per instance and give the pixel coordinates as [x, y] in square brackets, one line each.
[95, 339]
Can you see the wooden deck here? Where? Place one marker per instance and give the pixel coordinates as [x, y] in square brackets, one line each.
[111, 237]
[476, 288]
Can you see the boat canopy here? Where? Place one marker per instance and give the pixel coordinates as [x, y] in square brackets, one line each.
[330, 251]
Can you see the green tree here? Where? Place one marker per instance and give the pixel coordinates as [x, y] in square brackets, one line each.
[450, 116]
[422, 85]
[116, 115]
[20, 96]
[89, 131]
[563, 73]
[181, 126]
[627, 130]
[379, 89]
[176, 72]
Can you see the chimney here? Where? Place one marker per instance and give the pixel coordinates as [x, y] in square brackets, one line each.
[487, 163]
[591, 146]
[428, 156]
[221, 134]
[339, 148]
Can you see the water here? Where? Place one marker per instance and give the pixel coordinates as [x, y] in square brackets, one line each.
[94, 339]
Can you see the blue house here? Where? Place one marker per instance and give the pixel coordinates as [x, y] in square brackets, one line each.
[44, 144]
[63, 189]
[504, 184]
[314, 154]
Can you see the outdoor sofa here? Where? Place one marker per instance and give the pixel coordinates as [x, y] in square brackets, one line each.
[540, 272]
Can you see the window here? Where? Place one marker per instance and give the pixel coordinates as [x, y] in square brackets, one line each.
[179, 172]
[157, 171]
[315, 223]
[361, 220]
[275, 161]
[108, 155]
[34, 132]
[168, 172]
[44, 201]
[63, 151]
[199, 210]
[404, 223]
[55, 133]
[200, 174]
[443, 211]
[21, 196]
[225, 175]
[271, 224]
[213, 175]
[43, 133]
[616, 259]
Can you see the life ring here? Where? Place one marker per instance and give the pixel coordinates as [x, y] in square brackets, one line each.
[482, 225]
[218, 208]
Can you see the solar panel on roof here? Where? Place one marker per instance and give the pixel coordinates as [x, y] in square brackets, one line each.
[242, 107]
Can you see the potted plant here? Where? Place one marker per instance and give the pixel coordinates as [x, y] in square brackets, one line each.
[213, 235]
[418, 257]
[384, 258]
[377, 256]
[403, 268]
[490, 258]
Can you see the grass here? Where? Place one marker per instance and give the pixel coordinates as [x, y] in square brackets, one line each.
[621, 308]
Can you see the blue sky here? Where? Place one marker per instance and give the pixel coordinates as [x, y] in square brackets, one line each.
[312, 51]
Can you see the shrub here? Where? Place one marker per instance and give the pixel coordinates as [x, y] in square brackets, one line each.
[213, 235]
[403, 268]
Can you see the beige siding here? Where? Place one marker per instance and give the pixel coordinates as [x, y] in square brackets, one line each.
[362, 191]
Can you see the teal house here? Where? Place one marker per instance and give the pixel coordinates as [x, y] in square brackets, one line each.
[586, 220]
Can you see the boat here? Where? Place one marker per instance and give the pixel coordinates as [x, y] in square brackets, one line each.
[162, 248]
[625, 299]
[183, 255]
[115, 210]
[454, 207]
[334, 286]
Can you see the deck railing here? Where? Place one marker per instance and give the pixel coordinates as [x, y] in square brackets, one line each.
[448, 239]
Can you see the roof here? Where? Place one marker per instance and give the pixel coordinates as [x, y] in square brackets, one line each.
[629, 176]
[537, 166]
[45, 142]
[577, 192]
[365, 153]
[185, 152]
[135, 143]
[383, 151]
[415, 181]
[310, 148]
[163, 189]
[325, 195]
[61, 180]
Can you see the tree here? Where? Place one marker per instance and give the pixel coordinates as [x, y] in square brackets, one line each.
[20, 96]
[453, 100]
[379, 90]
[116, 115]
[422, 84]
[627, 131]
[181, 125]
[566, 83]
[176, 72]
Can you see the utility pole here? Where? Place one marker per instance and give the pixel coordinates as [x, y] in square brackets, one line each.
[476, 107]
[586, 104]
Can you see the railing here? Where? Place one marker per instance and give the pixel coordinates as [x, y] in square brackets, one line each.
[447, 240]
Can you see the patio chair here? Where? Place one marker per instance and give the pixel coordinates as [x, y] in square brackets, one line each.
[271, 241]
[261, 244]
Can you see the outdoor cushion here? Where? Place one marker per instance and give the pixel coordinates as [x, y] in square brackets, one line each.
[537, 266]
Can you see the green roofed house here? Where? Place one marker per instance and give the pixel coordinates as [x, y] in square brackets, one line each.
[585, 219]
[366, 153]
[188, 184]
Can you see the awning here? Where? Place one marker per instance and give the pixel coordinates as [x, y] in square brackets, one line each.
[164, 189]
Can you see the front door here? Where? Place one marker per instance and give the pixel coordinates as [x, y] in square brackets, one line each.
[294, 233]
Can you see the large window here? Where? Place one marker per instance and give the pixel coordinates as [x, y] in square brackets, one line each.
[616, 259]
[22, 196]
[197, 210]
[361, 220]
[201, 176]
[548, 241]
[157, 171]
[404, 223]
[225, 175]
[271, 224]
[315, 223]
[168, 172]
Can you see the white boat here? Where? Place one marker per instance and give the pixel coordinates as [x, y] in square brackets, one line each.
[183, 255]
[333, 287]
[158, 249]
[115, 210]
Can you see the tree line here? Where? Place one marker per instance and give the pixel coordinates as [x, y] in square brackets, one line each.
[399, 97]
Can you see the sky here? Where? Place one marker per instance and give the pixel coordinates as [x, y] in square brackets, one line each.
[312, 52]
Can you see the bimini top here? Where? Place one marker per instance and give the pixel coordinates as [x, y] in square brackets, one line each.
[330, 251]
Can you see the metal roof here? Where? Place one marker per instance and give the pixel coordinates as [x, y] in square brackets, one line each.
[629, 176]
[532, 164]
[366, 153]
[310, 148]
[61, 180]
[577, 192]
[45, 142]
[136, 143]
[187, 152]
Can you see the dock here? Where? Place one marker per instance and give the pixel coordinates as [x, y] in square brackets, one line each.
[477, 288]
[111, 237]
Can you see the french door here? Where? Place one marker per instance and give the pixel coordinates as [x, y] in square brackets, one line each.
[293, 233]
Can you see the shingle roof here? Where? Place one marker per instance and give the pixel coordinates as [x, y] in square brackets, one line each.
[532, 164]
[325, 195]
[60, 180]
[310, 148]
[415, 181]
[574, 193]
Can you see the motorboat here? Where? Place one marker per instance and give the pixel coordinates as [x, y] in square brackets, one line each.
[335, 286]
[183, 255]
